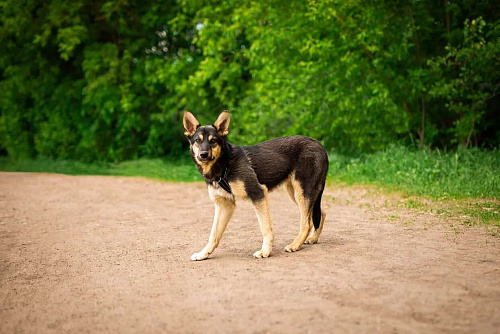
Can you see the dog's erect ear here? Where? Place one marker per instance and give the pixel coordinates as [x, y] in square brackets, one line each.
[222, 123]
[190, 124]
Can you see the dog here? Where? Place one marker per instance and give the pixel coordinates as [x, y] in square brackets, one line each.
[249, 172]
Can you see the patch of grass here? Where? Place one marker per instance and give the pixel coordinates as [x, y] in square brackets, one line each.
[470, 173]
[439, 175]
[413, 203]
[465, 211]
[463, 184]
[487, 213]
[179, 170]
[393, 217]
[167, 170]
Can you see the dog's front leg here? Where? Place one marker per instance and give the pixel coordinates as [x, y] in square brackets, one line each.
[266, 227]
[224, 209]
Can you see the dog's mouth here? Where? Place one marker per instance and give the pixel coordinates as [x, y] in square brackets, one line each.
[206, 159]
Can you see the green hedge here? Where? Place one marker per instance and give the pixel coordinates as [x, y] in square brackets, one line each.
[439, 174]
[108, 81]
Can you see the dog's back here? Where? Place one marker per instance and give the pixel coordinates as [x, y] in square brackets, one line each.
[275, 160]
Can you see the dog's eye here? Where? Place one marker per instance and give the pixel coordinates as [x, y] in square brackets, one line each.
[212, 141]
[197, 141]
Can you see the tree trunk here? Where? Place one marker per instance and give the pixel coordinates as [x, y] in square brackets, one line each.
[448, 17]
[467, 142]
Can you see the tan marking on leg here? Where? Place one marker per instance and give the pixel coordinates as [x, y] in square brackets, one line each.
[224, 209]
[314, 235]
[305, 217]
[289, 189]
[238, 189]
[266, 226]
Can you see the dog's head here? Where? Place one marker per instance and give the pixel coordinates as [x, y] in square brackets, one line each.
[206, 141]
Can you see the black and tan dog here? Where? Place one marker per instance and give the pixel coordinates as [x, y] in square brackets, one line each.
[299, 163]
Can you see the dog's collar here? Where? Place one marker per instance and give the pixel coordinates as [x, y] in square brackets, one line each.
[222, 181]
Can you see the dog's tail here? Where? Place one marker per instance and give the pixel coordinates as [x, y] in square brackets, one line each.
[316, 214]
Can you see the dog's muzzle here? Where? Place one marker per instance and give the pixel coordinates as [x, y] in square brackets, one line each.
[204, 156]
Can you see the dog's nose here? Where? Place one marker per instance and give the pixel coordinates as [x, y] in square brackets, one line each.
[204, 154]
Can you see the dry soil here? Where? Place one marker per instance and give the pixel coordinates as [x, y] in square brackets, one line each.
[107, 254]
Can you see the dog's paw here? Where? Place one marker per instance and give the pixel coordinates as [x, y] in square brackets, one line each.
[311, 240]
[292, 248]
[261, 254]
[199, 256]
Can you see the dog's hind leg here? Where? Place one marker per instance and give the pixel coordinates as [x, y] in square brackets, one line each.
[224, 209]
[315, 233]
[306, 223]
[291, 192]
[318, 216]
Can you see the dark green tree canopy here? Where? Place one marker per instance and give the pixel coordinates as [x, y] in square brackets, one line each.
[109, 80]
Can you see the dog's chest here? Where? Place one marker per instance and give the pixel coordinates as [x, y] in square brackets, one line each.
[237, 189]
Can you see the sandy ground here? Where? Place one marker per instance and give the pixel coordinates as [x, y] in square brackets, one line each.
[108, 254]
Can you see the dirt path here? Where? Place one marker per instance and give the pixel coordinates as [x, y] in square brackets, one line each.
[105, 254]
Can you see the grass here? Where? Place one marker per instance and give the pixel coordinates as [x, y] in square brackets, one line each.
[439, 175]
[435, 174]
[464, 183]
[468, 212]
[484, 212]
[181, 170]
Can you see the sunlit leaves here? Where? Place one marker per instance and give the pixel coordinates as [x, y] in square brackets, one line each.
[109, 80]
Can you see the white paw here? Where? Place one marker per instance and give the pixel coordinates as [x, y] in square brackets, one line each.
[199, 256]
[291, 248]
[311, 241]
[261, 254]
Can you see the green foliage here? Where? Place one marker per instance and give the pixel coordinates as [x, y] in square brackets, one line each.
[486, 213]
[477, 62]
[108, 81]
[438, 174]
[179, 170]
